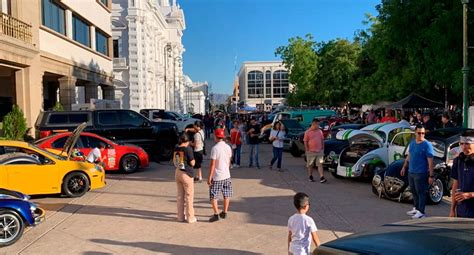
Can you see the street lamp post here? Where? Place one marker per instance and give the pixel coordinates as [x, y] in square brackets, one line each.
[166, 55]
[465, 68]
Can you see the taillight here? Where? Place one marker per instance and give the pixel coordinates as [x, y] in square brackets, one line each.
[45, 133]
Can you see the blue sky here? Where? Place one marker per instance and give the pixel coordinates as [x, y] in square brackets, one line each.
[218, 30]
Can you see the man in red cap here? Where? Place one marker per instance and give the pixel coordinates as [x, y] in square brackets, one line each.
[219, 175]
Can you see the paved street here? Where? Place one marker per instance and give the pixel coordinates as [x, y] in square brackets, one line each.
[135, 214]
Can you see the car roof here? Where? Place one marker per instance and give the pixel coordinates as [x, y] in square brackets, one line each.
[387, 127]
[448, 135]
[433, 235]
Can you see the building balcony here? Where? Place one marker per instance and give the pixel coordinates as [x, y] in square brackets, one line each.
[120, 63]
[15, 28]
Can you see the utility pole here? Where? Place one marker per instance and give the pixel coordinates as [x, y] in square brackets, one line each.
[465, 68]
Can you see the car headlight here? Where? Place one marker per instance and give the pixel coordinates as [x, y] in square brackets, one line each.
[377, 180]
[33, 207]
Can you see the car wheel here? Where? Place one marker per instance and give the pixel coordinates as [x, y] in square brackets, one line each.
[436, 191]
[369, 173]
[11, 227]
[75, 184]
[129, 163]
[295, 152]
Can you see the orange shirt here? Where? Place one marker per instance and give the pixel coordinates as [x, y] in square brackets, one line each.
[314, 139]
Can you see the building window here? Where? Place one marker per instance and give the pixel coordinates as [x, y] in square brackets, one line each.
[104, 2]
[53, 16]
[5, 7]
[116, 48]
[80, 31]
[255, 84]
[101, 42]
[280, 84]
[268, 84]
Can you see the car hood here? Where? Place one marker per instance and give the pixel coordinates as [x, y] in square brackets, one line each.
[72, 139]
[353, 135]
[8, 194]
[433, 235]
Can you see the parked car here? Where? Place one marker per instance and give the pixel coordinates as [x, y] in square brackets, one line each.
[159, 115]
[31, 170]
[372, 147]
[16, 213]
[292, 126]
[389, 184]
[158, 139]
[432, 235]
[126, 157]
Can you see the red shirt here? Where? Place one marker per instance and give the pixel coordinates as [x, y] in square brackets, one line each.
[388, 119]
[235, 137]
[314, 140]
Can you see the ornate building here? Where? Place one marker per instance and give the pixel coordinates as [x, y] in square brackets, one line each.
[263, 84]
[147, 51]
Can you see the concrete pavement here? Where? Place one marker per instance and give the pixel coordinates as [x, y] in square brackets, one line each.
[135, 214]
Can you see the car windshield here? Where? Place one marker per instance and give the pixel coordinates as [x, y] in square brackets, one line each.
[378, 134]
[292, 124]
[177, 115]
[439, 148]
[46, 152]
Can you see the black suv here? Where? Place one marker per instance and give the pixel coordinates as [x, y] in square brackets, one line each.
[121, 126]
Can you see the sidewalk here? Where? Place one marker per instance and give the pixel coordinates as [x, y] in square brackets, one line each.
[135, 214]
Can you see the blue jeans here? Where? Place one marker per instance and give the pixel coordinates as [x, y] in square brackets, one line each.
[236, 155]
[419, 187]
[277, 155]
[253, 150]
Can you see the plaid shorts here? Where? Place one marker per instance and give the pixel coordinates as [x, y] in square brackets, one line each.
[224, 186]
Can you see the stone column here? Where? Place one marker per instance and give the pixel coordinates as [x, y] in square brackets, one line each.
[108, 92]
[28, 86]
[91, 91]
[67, 91]
[68, 15]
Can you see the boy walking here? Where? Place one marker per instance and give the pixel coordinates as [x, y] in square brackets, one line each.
[219, 175]
[301, 227]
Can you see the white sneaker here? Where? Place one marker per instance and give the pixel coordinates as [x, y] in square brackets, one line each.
[418, 215]
[412, 212]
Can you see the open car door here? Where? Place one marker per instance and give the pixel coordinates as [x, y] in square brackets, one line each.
[397, 146]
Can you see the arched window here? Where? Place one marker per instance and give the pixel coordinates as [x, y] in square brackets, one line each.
[268, 84]
[255, 84]
[280, 84]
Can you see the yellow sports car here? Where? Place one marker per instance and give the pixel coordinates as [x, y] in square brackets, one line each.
[50, 173]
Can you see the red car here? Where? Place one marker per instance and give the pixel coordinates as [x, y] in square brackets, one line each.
[127, 158]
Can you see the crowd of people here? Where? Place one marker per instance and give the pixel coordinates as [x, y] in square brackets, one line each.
[231, 134]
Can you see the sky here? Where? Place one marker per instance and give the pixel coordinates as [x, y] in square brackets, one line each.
[221, 34]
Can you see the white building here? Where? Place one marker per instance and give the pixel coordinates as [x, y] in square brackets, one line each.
[195, 96]
[263, 84]
[147, 51]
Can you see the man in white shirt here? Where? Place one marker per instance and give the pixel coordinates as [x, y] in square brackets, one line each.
[219, 175]
[95, 156]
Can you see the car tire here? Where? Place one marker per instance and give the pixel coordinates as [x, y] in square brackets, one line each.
[372, 169]
[129, 163]
[295, 152]
[75, 184]
[10, 217]
[435, 191]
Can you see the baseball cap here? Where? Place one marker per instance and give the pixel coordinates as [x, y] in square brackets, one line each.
[219, 133]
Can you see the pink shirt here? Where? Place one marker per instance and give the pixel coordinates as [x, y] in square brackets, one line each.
[314, 140]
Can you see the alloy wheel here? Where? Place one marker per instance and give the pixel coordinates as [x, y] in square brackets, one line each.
[10, 227]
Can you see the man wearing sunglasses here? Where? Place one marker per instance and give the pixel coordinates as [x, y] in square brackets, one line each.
[462, 192]
[420, 171]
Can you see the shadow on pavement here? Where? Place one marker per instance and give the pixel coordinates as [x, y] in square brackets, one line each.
[171, 248]
[116, 212]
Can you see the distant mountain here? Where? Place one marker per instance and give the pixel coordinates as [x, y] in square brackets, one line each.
[220, 98]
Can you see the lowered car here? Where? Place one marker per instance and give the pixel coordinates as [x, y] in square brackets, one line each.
[16, 213]
[388, 183]
[31, 170]
[372, 147]
[126, 157]
[432, 235]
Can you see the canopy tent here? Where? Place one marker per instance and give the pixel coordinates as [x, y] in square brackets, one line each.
[414, 101]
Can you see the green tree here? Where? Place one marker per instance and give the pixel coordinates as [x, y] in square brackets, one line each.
[14, 124]
[336, 69]
[58, 107]
[300, 59]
